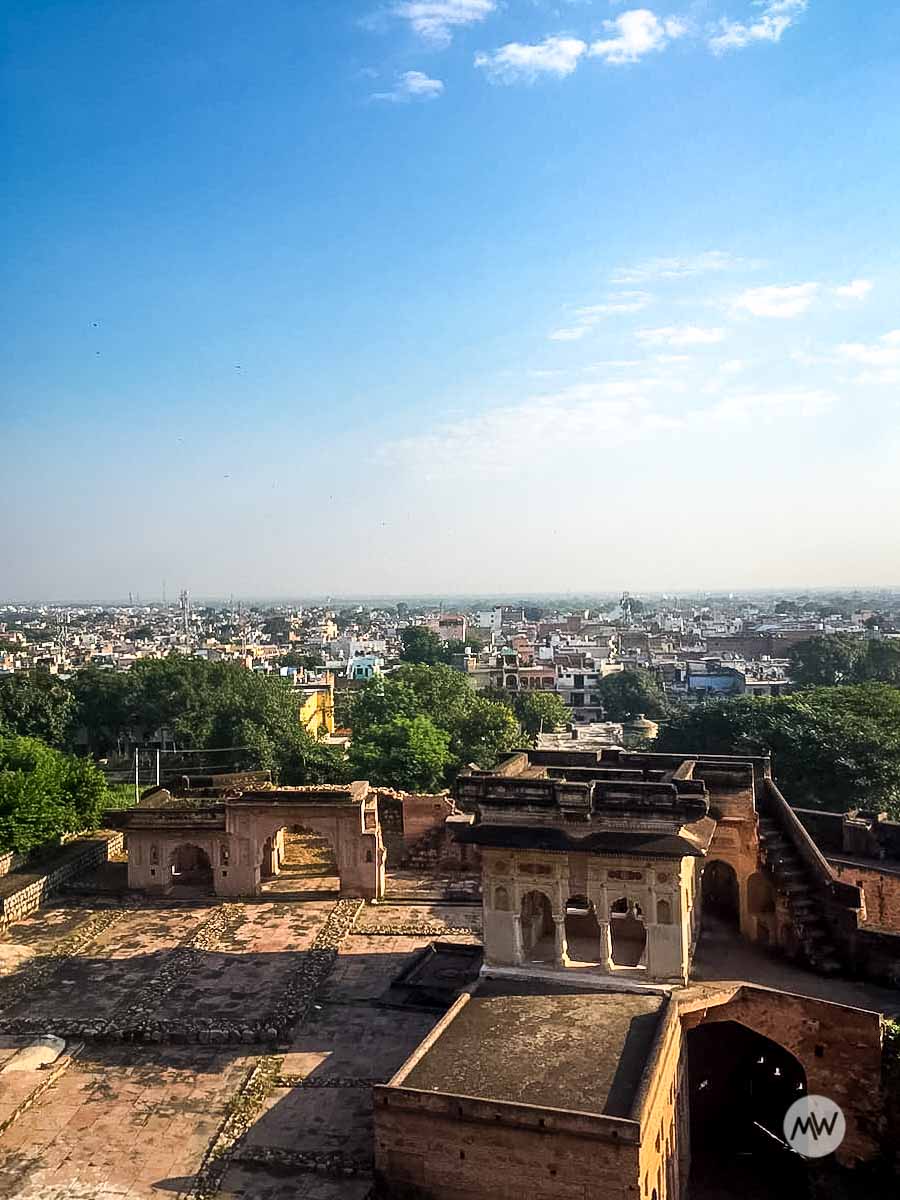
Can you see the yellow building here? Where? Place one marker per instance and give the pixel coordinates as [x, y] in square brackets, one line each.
[317, 707]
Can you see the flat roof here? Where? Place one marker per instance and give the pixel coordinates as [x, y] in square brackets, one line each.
[547, 1044]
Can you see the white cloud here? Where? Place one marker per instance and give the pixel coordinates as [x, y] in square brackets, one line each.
[783, 303]
[622, 302]
[572, 333]
[556, 56]
[587, 418]
[589, 315]
[858, 289]
[746, 410]
[679, 268]
[773, 19]
[883, 353]
[681, 335]
[412, 85]
[636, 33]
[436, 20]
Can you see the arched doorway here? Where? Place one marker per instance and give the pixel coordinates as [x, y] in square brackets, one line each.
[298, 861]
[627, 933]
[190, 871]
[583, 932]
[720, 893]
[538, 942]
[741, 1084]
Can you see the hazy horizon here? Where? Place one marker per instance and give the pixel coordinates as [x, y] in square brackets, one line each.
[310, 299]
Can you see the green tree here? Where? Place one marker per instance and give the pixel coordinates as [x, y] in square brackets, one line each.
[482, 734]
[421, 645]
[832, 747]
[540, 711]
[45, 793]
[880, 662]
[825, 661]
[411, 753]
[627, 694]
[33, 704]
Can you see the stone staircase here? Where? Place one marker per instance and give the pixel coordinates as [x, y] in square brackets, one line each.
[792, 881]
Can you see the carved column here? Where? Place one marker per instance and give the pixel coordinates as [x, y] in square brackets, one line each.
[560, 950]
[606, 946]
[518, 947]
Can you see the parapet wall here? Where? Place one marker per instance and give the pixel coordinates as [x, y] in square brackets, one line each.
[79, 856]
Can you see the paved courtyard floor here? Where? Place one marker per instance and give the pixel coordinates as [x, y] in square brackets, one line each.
[277, 1119]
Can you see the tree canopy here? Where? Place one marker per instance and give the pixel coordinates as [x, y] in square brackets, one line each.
[45, 793]
[627, 694]
[837, 658]
[832, 747]
[479, 729]
[37, 705]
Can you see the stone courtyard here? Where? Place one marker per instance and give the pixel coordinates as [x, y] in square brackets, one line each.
[211, 1048]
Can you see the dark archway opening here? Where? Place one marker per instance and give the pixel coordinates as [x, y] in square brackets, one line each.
[627, 933]
[538, 934]
[583, 932]
[741, 1084]
[720, 893]
[190, 870]
[297, 861]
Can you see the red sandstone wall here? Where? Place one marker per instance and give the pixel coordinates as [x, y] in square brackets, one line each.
[429, 1156]
[882, 893]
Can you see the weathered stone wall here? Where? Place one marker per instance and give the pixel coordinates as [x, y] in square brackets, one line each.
[838, 1047]
[661, 1109]
[80, 855]
[435, 1147]
[881, 889]
[9, 862]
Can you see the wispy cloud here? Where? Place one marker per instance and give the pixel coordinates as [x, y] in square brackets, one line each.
[679, 268]
[782, 303]
[412, 85]
[882, 358]
[436, 20]
[773, 19]
[678, 336]
[589, 315]
[515, 62]
[634, 34]
[857, 290]
[586, 418]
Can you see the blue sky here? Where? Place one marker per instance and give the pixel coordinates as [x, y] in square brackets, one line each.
[424, 295]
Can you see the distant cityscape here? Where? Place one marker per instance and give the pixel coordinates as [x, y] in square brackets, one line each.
[698, 647]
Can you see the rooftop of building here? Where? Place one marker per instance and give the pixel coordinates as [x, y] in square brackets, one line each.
[499, 1044]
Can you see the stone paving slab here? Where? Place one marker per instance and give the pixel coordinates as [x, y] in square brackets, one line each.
[250, 967]
[120, 960]
[246, 1182]
[351, 1042]
[321, 1122]
[119, 1121]
[426, 917]
[366, 966]
[39, 934]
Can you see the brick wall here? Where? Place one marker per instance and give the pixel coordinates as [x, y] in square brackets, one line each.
[881, 890]
[79, 856]
[9, 862]
[436, 1147]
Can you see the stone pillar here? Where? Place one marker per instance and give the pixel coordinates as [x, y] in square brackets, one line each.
[606, 946]
[518, 945]
[560, 955]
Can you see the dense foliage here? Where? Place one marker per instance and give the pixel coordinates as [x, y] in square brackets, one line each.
[832, 747]
[45, 793]
[476, 729]
[842, 658]
[631, 693]
[34, 704]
